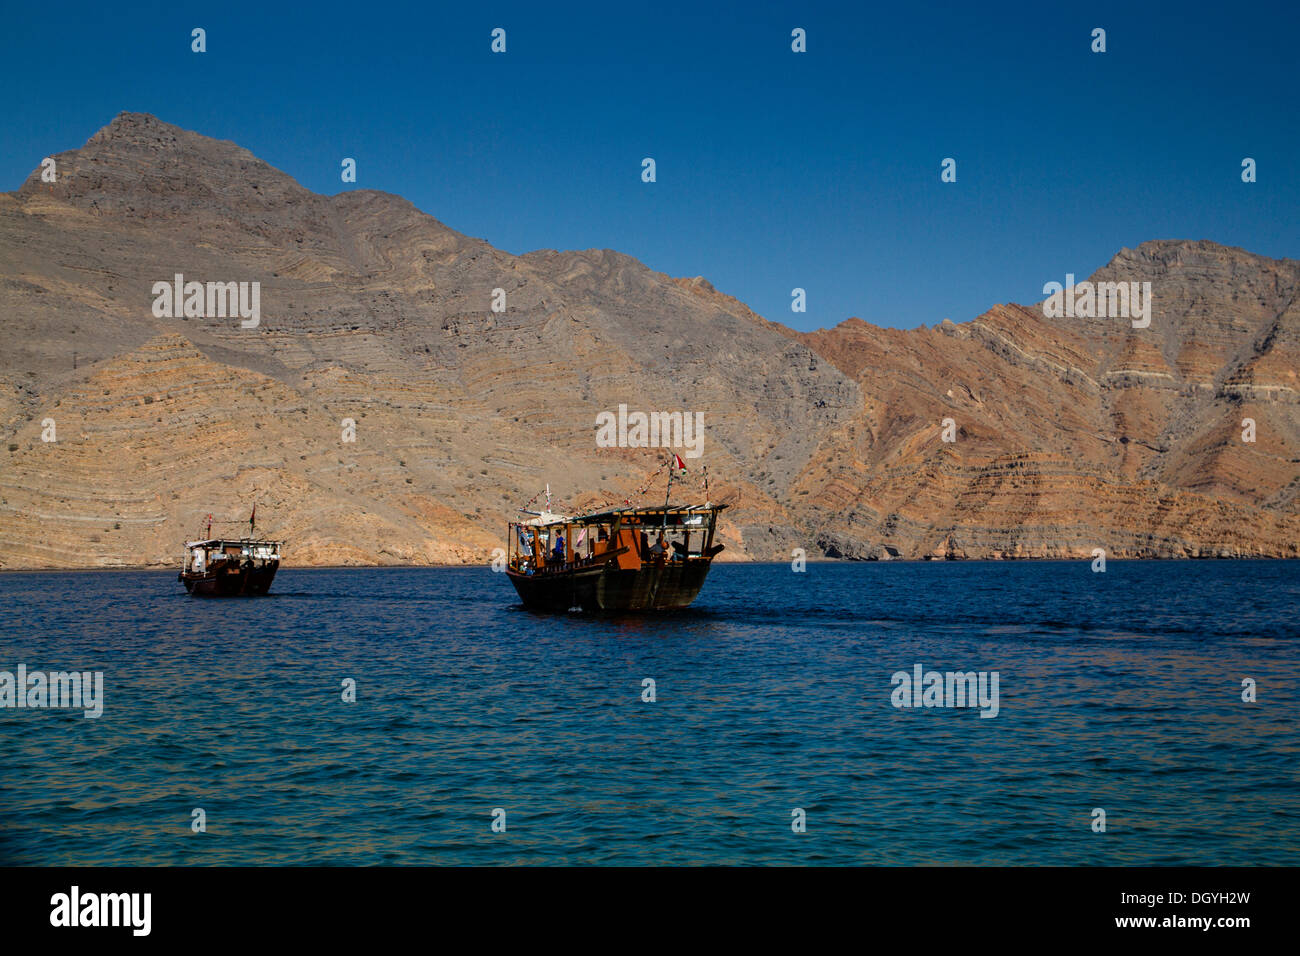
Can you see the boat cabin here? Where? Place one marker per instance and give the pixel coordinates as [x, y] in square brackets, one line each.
[629, 538]
[203, 556]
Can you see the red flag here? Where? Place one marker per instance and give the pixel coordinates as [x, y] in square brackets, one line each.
[678, 463]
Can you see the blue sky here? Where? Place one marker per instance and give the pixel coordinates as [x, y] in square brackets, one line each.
[818, 170]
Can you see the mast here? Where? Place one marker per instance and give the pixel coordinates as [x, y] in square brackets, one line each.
[672, 469]
[663, 520]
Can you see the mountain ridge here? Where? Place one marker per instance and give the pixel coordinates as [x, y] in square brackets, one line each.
[1070, 434]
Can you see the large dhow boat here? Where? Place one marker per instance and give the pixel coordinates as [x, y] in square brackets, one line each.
[613, 559]
[229, 567]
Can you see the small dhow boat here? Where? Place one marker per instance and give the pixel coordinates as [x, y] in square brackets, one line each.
[226, 567]
[620, 559]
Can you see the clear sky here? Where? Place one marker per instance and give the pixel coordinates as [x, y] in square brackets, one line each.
[775, 170]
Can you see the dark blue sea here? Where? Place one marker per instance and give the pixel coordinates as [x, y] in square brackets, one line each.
[1119, 690]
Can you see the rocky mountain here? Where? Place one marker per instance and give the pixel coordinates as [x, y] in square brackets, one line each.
[380, 410]
[1076, 433]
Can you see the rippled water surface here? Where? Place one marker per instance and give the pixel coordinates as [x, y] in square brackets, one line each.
[1119, 690]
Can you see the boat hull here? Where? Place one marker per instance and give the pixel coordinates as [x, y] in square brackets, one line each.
[230, 582]
[669, 586]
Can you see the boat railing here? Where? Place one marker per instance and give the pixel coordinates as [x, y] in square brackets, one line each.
[549, 548]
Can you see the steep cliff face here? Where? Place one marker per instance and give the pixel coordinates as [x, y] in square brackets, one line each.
[1075, 433]
[1071, 433]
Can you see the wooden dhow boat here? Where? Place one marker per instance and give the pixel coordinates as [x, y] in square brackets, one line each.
[614, 559]
[229, 567]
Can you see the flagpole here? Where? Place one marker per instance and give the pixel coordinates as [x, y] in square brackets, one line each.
[663, 525]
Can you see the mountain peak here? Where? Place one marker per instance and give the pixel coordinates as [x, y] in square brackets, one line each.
[127, 123]
[140, 167]
[1167, 253]
[129, 133]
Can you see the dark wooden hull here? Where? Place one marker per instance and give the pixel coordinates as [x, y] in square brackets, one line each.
[230, 581]
[609, 588]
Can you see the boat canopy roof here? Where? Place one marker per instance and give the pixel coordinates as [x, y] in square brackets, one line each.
[241, 542]
[671, 515]
[541, 519]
